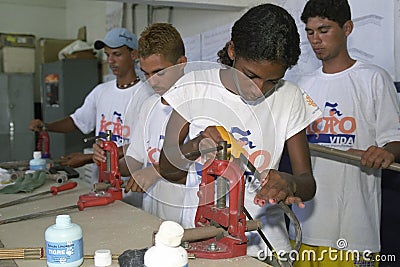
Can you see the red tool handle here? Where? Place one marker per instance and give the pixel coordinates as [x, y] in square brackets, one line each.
[101, 201]
[55, 189]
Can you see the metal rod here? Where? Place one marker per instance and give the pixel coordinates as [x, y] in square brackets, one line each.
[22, 200]
[220, 181]
[198, 153]
[53, 190]
[345, 155]
[259, 231]
[38, 214]
[91, 257]
[87, 139]
[256, 174]
[108, 154]
[23, 164]
[21, 253]
[282, 205]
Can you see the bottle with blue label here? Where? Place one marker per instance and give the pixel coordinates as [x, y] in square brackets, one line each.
[167, 251]
[37, 163]
[64, 243]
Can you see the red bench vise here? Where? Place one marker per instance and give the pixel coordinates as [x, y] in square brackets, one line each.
[219, 177]
[109, 174]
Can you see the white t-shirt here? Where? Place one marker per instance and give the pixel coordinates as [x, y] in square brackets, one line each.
[104, 109]
[109, 108]
[360, 109]
[164, 199]
[203, 101]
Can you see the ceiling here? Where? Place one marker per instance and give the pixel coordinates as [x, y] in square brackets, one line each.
[228, 5]
[44, 3]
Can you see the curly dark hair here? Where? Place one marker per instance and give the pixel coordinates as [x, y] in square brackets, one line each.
[264, 32]
[335, 10]
[161, 38]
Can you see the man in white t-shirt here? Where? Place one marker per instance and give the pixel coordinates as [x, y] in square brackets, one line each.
[104, 107]
[162, 57]
[360, 114]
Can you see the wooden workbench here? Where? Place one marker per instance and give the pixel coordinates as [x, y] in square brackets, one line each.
[117, 226]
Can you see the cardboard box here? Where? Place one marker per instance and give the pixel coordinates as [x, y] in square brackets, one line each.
[17, 40]
[17, 59]
[47, 49]
[85, 54]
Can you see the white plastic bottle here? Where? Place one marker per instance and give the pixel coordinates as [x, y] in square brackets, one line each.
[167, 251]
[64, 243]
[37, 163]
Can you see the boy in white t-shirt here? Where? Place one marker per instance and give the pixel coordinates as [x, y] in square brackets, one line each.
[360, 114]
[104, 107]
[160, 48]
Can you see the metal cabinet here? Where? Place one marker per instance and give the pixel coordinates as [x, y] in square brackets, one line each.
[16, 111]
[64, 86]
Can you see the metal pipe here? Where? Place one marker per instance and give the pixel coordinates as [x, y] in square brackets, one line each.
[345, 155]
[133, 17]
[124, 17]
[149, 14]
[108, 154]
[170, 12]
[206, 232]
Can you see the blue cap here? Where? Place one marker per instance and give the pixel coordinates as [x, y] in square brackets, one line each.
[118, 37]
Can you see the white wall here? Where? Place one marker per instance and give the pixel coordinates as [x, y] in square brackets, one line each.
[53, 18]
[87, 13]
[191, 21]
[62, 18]
[45, 18]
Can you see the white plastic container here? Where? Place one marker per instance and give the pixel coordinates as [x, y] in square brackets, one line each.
[37, 163]
[64, 243]
[167, 251]
[102, 258]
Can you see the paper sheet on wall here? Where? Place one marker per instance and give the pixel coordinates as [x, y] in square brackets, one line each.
[372, 39]
[113, 15]
[214, 40]
[193, 47]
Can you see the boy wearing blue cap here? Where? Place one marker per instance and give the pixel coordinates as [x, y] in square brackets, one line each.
[104, 107]
[162, 60]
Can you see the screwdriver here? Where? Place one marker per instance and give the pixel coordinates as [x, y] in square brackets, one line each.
[53, 190]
